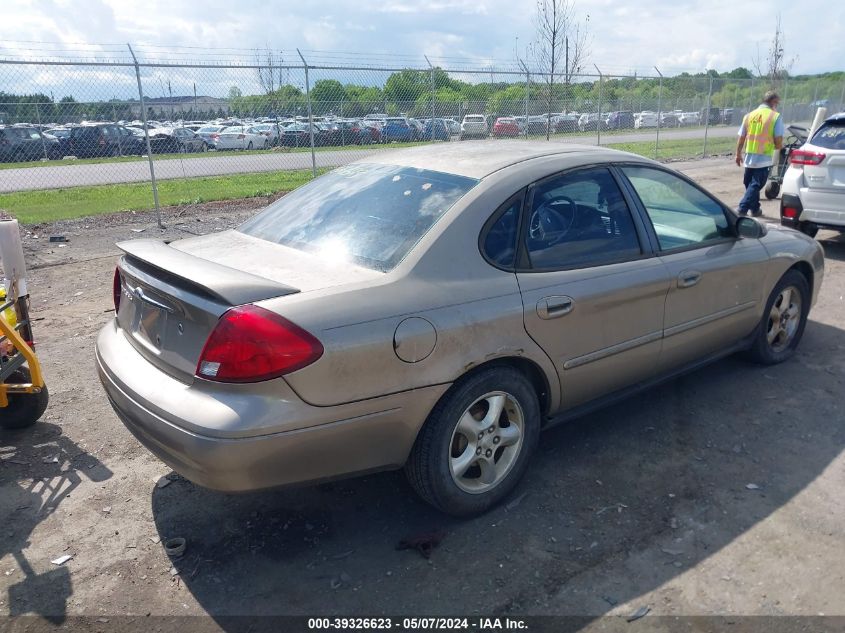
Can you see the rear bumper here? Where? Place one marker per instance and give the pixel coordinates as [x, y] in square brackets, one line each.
[822, 210]
[189, 426]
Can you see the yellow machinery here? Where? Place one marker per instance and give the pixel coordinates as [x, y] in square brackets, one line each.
[23, 394]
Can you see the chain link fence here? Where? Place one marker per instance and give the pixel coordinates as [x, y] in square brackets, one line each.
[143, 132]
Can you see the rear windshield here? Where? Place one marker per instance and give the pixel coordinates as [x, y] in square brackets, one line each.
[831, 135]
[371, 215]
[474, 118]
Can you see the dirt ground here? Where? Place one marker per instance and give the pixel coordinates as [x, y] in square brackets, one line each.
[646, 503]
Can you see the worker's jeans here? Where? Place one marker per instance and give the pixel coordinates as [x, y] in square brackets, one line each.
[754, 180]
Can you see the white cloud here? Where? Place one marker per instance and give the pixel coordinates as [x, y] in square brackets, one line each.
[675, 35]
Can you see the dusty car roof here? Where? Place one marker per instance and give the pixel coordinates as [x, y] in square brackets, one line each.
[478, 159]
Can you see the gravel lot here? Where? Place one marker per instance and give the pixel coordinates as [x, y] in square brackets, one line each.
[646, 503]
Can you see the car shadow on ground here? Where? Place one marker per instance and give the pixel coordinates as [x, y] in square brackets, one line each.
[670, 466]
[40, 467]
[834, 246]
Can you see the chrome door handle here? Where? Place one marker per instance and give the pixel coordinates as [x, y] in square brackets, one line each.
[688, 278]
[554, 307]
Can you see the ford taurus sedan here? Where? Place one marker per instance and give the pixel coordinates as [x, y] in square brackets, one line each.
[435, 308]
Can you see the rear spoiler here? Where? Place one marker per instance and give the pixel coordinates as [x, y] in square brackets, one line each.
[229, 285]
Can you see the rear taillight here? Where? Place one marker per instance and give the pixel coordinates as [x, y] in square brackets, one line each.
[803, 157]
[215, 136]
[790, 212]
[117, 288]
[250, 344]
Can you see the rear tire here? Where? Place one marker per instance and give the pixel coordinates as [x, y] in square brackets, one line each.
[772, 190]
[25, 408]
[782, 324]
[466, 459]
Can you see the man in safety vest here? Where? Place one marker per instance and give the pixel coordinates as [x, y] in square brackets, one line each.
[760, 135]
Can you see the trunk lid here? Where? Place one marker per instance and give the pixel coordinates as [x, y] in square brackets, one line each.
[172, 295]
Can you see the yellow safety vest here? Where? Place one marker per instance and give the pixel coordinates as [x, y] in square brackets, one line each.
[760, 131]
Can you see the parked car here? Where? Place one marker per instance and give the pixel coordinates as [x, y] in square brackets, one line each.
[241, 137]
[813, 190]
[732, 116]
[397, 129]
[299, 135]
[564, 123]
[505, 127]
[436, 130]
[645, 119]
[474, 126]
[380, 316]
[418, 128]
[23, 143]
[272, 131]
[58, 132]
[537, 124]
[454, 127]
[590, 122]
[373, 128]
[176, 140]
[689, 118]
[210, 134]
[669, 119]
[101, 139]
[620, 120]
[713, 118]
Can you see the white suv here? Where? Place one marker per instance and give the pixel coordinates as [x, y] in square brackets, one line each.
[474, 126]
[813, 192]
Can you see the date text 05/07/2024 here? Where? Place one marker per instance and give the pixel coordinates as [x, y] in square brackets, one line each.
[417, 624]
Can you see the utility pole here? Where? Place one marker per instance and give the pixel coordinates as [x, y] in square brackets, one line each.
[310, 117]
[598, 122]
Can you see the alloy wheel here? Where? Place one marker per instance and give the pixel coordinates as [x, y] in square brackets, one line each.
[784, 319]
[486, 442]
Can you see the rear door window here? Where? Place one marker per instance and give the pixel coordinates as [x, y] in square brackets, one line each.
[579, 219]
[831, 135]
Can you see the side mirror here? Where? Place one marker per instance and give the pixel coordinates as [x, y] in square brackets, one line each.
[750, 228]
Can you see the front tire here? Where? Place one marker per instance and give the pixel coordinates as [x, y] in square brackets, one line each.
[782, 325]
[24, 408]
[476, 443]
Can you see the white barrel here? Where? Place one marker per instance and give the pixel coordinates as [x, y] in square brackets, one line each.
[11, 256]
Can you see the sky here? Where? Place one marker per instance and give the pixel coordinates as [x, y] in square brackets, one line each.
[625, 36]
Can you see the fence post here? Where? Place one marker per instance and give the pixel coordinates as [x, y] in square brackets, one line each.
[598, 121]
[146, 136]
[659, 106]
[842, 98]
[41, 131]
[751, 96]
[310, 116]
[431, 75]
[527, 89]
[707, 115]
